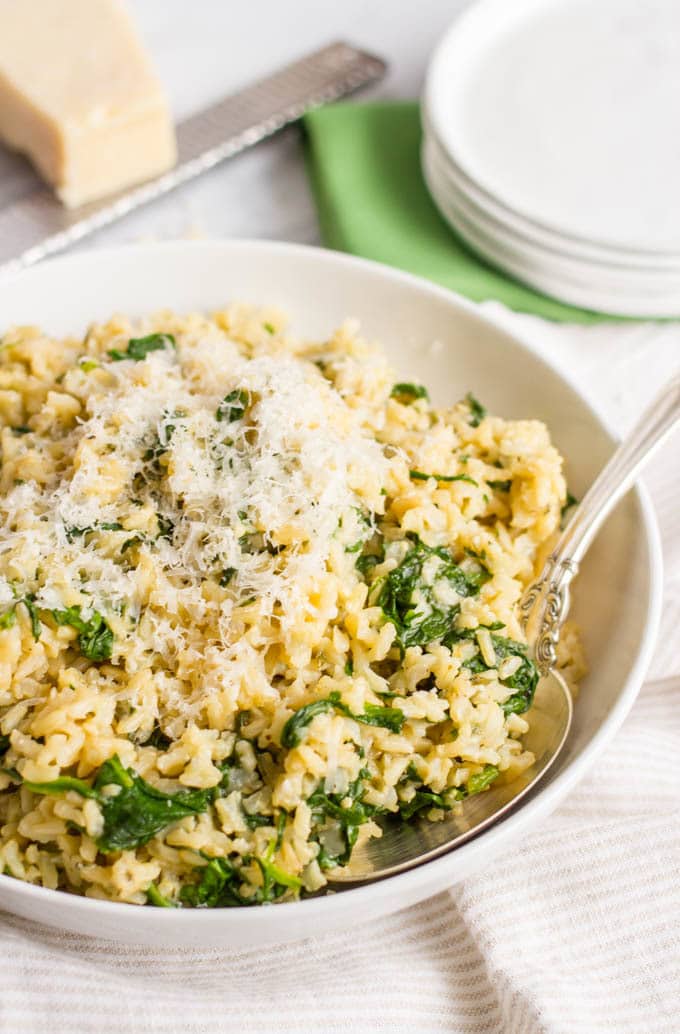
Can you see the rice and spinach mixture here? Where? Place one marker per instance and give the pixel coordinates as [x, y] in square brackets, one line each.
[255, 596]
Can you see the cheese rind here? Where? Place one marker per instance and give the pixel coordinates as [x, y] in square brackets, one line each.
[78, 95]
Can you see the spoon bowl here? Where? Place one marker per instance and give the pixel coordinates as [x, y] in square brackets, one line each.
[406, 844]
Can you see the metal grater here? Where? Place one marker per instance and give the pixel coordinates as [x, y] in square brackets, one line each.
[38, 225]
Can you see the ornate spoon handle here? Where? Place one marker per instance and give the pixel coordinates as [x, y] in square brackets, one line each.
[545, 603]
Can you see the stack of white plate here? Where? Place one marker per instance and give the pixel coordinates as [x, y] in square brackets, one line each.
[552, 146]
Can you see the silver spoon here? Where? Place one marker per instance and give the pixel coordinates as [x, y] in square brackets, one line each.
[543, 608]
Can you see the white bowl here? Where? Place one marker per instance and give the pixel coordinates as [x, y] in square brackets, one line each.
[432, 334]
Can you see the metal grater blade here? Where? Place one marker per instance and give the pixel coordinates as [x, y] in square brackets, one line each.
[38, 225]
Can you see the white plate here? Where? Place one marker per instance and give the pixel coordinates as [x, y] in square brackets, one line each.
[511, 222]
[580, 284]
[431, 334]
[621, 278]
[567, 112]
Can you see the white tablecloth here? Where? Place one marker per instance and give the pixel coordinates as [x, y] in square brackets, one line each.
[577, 930]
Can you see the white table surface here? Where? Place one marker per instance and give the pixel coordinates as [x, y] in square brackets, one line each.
[207, 48]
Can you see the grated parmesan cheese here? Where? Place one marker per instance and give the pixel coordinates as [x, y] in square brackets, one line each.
[168, 515]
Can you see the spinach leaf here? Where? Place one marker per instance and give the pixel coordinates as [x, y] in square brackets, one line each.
[523, 681]
[139, 811]
[477, 410]
[226, 576]
[422, 799]
[139, 347]
[408, 393]
[570, 501]
[233, 406]
[29, 604]
[280, 830]
[500, 486]
[410, 603]
[418, 475]
[291, 734]
[337, 818]
[478, 782]
[154, 897]
[134, 540]
[372, 554]
[95, 637]
[254, 821]
[275, 880]
[425, 798]
[74, 532]
[4, 745]
[456, 635]
[9, 618]
[367, 561]
[157, 739]
[217, 886]
[391, 718]
[63, 785]
[213, 887]
[166, 527]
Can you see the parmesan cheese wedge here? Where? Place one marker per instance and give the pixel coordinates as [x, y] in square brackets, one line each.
[78, 95]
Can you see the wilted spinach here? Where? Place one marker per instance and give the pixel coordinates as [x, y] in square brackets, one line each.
[233, 406]
[137, 812]
[139, 347]
[337, 818]
[8, 619]
[523, 681]
[411, 604]
[570, 501]
[477, 410]
[408, 393]
[218, 883]
[154, 897]
[158, 739]
[425, 798]
[391, 718]
[418, 475]
[214, 887]
[95, 636]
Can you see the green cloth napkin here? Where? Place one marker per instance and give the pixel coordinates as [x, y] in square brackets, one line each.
[364, 165]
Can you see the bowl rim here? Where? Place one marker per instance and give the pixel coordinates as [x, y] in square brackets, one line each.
[538, 804]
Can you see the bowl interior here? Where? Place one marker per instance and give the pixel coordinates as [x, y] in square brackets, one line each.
[427, 333]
